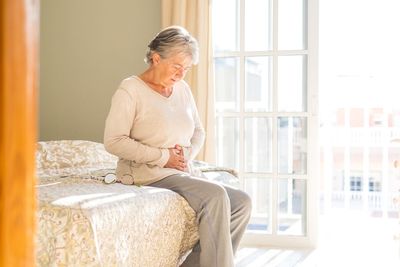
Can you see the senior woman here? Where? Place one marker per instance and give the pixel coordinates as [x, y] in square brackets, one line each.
[154, 128]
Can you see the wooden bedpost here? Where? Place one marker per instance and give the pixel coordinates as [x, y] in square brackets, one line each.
[19, 26]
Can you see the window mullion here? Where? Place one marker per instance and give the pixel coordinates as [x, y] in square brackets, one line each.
[241, 88]
[274, 197]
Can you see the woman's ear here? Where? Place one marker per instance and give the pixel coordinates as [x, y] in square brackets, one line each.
[156, 58]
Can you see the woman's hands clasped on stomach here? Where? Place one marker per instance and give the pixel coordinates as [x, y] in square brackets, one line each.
[176, 159]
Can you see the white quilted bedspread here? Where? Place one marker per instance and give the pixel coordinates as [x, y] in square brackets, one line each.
[82, 221]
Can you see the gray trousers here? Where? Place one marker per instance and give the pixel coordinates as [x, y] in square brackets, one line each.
[222, 215]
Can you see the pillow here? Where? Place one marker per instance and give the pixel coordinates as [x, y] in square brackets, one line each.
[227, 176]
[70, 157]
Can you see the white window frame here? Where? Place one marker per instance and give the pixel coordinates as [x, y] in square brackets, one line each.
[257, 238]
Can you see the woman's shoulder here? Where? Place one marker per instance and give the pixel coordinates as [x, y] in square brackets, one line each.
[184, 89]
[131, 82]
[132, 85]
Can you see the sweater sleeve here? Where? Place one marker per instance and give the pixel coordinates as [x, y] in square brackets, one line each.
[117, 140]
[198, 137]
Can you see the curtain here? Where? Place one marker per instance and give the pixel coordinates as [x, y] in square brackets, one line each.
[195, 16]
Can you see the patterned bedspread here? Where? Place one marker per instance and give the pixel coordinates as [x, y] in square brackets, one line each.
[81, 221]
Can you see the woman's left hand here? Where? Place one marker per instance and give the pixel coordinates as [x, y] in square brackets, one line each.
[176, 159]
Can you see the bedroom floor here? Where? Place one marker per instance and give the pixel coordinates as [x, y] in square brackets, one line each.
[346, 239]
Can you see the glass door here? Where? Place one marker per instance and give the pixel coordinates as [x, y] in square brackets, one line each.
[265, 66]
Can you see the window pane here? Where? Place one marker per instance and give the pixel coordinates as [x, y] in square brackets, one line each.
[375, 169]
[260, 191]
[258, 84]
[291, 25]
[355, 180]
[292, 206]
[227, 84]
[292, 89]
[225, 28]
[377, 117]
[292, 145]
[258, 18]
[356, 117]
[258, 145]
[228, 142]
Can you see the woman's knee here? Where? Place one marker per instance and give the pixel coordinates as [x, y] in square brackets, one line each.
[216, 191]
[247, 201]
[242, 201]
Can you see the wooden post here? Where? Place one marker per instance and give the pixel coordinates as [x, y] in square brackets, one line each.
[19, 20]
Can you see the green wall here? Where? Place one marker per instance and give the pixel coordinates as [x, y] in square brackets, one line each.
[86, 48]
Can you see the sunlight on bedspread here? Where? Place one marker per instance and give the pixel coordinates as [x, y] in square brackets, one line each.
[84, 222]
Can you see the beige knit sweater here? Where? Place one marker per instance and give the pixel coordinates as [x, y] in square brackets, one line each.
[142, 124]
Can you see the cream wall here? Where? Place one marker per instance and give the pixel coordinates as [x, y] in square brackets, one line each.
[86, 48]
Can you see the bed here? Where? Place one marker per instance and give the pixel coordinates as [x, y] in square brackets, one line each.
[82, 221]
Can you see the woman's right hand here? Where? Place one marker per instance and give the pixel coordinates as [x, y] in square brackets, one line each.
[176, 159]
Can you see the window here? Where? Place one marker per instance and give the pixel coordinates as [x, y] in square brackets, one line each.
[355, 183]
[263, 53]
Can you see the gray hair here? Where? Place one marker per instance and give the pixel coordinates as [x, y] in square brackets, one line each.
[171, 41]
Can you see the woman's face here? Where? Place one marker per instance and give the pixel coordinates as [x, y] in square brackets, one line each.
[172, 69]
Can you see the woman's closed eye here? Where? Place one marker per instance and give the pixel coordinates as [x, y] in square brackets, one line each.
[178, 67]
